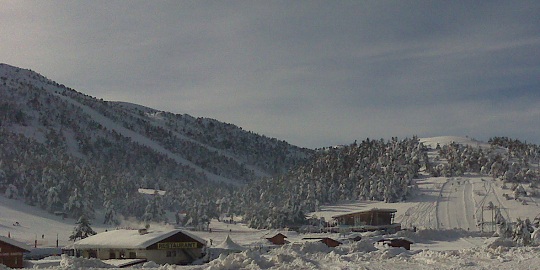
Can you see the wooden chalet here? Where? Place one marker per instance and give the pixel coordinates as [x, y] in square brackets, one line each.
[370, 220]
[11, 252]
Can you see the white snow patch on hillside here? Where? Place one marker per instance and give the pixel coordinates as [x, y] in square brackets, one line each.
[149, 191]
[445, 140]
[136, 137]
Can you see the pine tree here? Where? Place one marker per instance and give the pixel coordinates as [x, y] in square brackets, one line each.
[53, 199]
[82, 230]
[154, 211]
[111, 217]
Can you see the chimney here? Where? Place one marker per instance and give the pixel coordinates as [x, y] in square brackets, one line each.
[143, 231]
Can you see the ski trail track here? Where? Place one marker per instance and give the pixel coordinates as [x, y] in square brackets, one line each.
[422, 215]
[456, 206]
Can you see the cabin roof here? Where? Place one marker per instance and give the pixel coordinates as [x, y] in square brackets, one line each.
[14, 243]
[129, 239]
[377, 210]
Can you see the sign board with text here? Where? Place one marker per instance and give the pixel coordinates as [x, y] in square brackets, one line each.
[177, 245]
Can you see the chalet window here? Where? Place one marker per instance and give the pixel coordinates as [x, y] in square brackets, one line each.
[132, 255]
[169, 253]
[112, 255]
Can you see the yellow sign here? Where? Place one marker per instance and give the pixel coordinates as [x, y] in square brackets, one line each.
[173, 245]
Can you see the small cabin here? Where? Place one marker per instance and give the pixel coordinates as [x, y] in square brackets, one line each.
[11, 252]
[397, 242]
[326, 240]
[278, 239]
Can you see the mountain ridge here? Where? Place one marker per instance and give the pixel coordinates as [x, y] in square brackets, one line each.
[60, 146]
[101, 113]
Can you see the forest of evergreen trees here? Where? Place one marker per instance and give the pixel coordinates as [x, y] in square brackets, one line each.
[55, 155]
[371, 170]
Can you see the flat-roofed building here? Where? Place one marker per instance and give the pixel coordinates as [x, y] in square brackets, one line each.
[369, 220]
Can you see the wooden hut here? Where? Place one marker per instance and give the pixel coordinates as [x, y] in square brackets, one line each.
[278, 239]
[11, 252]
[326, 240]
[397, 242]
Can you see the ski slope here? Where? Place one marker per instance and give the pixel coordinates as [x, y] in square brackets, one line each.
[455, 206]
[445, 203]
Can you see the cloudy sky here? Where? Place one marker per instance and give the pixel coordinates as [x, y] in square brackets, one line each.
[313, 73]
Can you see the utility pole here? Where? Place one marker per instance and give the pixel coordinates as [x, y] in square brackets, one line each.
[482, 220]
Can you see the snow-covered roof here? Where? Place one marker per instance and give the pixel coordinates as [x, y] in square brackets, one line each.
[150, 191]
[229, 244]
[386, 210]
[14, 243]
[129, 239]
[273, 233]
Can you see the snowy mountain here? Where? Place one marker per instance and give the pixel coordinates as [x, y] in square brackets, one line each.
[62, 150]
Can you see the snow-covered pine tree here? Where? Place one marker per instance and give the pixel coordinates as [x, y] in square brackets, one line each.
[11, 192]
[111, 217]
[82, 230]
[154, 211]
[522, 232]
[53, 199]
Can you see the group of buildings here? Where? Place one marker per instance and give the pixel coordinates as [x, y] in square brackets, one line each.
[121, 248]
[129, 247]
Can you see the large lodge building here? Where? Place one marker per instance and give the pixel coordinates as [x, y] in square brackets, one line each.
[162, 247]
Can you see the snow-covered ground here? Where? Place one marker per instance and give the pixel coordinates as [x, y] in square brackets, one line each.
[437, 247]
[447, 212]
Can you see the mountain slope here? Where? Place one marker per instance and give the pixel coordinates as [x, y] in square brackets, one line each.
[60, 146]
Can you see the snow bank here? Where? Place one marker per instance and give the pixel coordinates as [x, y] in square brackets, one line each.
[497, 242]
[361, 246]
[423, 236]
[69, 262]
[535, 237]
